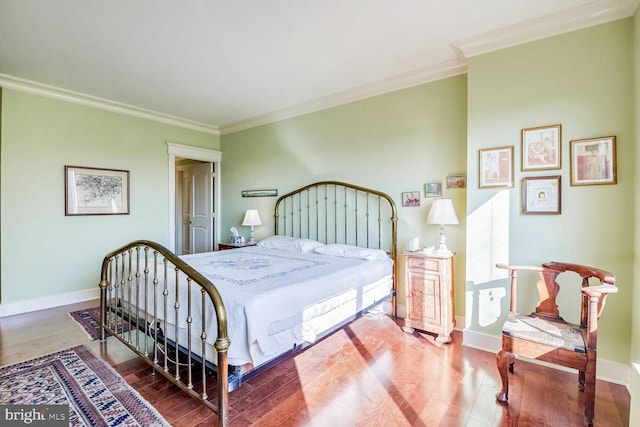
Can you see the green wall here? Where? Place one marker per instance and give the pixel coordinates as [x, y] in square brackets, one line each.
[394, 143]
[43, 252]
[582, 81]
[635, 302]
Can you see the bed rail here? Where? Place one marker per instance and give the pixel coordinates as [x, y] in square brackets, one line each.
[130, 276]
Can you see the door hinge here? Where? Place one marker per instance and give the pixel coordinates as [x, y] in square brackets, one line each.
[213, 215]
[213, 174]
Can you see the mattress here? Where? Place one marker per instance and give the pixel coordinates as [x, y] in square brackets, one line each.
[274, 298]
[316, 320]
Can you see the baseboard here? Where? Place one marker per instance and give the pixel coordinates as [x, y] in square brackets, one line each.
[606, 370]
[634, 412]
[27, 306]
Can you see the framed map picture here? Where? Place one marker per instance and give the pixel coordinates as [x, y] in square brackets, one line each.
[94, 191]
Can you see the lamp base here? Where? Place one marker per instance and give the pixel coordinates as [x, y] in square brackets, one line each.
[442, 249]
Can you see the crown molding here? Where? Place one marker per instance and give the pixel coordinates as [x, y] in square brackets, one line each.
[573, 19]
[414, 78]
[27, 86]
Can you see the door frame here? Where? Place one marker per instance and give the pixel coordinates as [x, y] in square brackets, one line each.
[193, 153]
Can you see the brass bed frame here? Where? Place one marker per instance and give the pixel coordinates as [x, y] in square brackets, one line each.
[327, 211]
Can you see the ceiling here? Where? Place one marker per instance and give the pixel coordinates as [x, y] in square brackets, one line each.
[221, 66]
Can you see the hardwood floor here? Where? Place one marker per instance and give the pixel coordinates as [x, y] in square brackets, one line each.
[370, 373]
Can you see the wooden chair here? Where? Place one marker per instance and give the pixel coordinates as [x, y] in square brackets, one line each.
[544, 335]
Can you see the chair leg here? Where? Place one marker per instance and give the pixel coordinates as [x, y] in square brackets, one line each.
[590, 392]
[504, 361]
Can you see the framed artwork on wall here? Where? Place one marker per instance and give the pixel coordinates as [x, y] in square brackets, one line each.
[259, 193]
[411, 198]
[496, 167]
[456, 181]
[593, 161]
[433, 189]
[95, 191]
[542, 148]
[541, 195]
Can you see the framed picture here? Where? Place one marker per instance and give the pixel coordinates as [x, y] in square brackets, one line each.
[411, 198]
[541, 148]
[496, 167]
[94, 191]
[433, 189]
[259, 193]
[593, 161]
[541, 195]
[456, 181]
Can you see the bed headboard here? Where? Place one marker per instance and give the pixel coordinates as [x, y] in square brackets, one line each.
[337, 212]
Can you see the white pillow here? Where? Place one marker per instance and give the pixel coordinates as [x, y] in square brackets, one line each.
[348, 251]
[290, 243]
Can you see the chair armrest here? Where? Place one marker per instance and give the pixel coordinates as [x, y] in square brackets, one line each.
[520, 267]
[596, 291]
[597, 296]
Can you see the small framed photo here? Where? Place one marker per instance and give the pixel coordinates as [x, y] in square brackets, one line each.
[541, 148]
[259, 193]
[433, 189]
[541, 195]
[593, 161]
[411, 198]
[496, 167]
[456, 181]
[94, 191]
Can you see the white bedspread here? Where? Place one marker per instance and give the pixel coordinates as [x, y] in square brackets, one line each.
[265, 291]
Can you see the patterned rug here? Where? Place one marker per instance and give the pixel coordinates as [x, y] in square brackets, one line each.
[89, 320]
[96, 394]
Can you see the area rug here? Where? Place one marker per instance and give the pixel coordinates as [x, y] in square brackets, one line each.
[89, 320]
[96, 394]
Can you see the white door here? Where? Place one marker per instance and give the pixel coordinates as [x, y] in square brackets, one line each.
[195, 197]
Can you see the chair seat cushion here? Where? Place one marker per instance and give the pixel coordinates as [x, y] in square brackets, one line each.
[556, 334]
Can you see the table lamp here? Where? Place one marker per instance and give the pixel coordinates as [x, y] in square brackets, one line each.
[251, 218]
[442, 213]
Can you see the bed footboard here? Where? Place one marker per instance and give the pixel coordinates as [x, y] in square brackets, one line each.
[135, 284]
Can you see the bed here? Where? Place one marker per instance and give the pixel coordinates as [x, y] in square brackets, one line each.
[229, 315]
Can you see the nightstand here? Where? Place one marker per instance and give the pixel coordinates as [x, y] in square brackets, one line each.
[225, 246]
[429, 294]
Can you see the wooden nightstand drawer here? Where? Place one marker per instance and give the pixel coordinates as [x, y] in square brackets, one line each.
[423, 264]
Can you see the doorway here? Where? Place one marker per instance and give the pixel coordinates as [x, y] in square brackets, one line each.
[178, 155]
[194, 207]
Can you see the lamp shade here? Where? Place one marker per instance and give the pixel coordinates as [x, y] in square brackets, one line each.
[442, 212]
[251, 217]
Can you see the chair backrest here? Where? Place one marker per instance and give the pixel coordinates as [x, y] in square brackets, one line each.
[605, 279]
